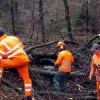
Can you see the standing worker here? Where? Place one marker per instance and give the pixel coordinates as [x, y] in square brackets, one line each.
[12, 55]
[95, 67]
[64, 62]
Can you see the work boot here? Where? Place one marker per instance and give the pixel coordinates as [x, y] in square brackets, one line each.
[29, 98]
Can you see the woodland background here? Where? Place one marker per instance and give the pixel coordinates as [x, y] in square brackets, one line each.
[41, 23]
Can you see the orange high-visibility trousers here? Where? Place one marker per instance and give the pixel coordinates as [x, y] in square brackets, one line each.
[98, 89]
[22, 68]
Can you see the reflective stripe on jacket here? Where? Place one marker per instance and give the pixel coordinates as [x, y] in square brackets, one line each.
[65, 61]
[10, 47]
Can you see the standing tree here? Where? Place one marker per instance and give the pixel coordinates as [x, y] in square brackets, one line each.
[67, 18]
[41, 20]
[16, 7]
[12, 16]
[88, 16]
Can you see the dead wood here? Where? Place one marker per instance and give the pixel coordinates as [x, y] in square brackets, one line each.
[49, 72]
[88, 44]
[66, 41]
[68, 96]
[47, 44]
[43, 56]
[10, 85]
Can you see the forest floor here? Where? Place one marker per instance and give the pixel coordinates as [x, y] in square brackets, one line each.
[79, 88]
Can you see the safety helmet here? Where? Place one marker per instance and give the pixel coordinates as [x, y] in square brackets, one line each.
[95, 46]
[60, 43]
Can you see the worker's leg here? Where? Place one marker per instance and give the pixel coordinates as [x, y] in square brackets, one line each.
[24, 73]
[11, 63]
[64, 82]
[22, 69]
[57, 81]
[98, 89]
[7, 63]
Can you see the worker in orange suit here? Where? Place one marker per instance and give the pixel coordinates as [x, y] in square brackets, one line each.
[64, 63]
[12, 55]
[95, 67]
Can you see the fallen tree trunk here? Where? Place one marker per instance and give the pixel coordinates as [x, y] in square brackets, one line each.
[52, 73]
[47, 44]
[88, 44]
[65, 40]
[42, 56]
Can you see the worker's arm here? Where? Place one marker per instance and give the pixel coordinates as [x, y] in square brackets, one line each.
[2, 51]
[59, 60]
[92, 70]
[72, 59]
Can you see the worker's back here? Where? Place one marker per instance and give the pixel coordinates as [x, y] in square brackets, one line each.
[13, 47]
[64, 61]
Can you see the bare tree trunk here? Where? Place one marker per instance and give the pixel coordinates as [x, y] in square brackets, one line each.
[87, 14]
[1, 4]
[16, 7]
[12, 16]
[41, 20]
[67, 18]
[33, 25]
[96, 10]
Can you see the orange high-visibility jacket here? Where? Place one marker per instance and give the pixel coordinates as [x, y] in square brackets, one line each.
[95, 65]
[64, 61]
[11, 47]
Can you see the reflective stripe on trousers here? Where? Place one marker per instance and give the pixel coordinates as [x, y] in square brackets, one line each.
[28, 89]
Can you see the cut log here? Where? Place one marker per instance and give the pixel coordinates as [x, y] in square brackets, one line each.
[50, 72]
[44, 72]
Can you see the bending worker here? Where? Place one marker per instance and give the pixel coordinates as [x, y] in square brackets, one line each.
[95, 67]
[64, 62]
[12, 55]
